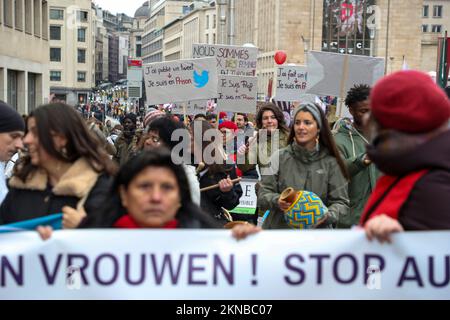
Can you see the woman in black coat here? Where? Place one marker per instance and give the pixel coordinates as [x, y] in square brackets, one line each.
[213, 169]
[64, 170]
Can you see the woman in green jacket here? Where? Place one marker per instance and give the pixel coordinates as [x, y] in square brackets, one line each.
[271, 129]
[310, 162]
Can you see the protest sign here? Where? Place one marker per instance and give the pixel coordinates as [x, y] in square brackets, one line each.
[334, 74]
[180, 81]
[204, 264]
[248, 200]
[191, 107]
[291, 83]
[230, 60]
[237, 94]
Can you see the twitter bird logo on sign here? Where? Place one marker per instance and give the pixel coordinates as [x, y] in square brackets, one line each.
[201, 80]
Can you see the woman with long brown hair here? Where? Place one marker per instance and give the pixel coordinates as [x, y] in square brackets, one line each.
[271, 136]
[212, 167]
[65, 170]
[310, 162]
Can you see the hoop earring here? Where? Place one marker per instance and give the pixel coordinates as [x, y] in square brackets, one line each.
[317, 144]
[64, 153]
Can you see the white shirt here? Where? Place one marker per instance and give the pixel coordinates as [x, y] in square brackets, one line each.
[3, 187]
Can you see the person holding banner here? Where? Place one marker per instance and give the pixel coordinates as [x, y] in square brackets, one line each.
[410, 145]
[310, 162]
[63, 171]
[151, 192]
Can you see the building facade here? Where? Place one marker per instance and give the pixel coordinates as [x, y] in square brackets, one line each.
[24, 75]
[381, 28]
[72, 50]
[435, 21]
[161, 14]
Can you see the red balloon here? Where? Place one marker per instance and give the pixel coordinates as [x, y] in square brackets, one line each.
[280, 57]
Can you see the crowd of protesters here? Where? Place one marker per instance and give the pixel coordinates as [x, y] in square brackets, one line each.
[386, 170]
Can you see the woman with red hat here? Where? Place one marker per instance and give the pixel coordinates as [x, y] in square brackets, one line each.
[411, 146]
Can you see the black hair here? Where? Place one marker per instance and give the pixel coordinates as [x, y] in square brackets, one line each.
[199, 115]
[326, 140]
[81, 142]
[240, 114]
[189, 215]
[357, 94]
[165, 126]
[211, 116]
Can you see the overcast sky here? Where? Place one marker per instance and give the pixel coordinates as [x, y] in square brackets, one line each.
[128, 7]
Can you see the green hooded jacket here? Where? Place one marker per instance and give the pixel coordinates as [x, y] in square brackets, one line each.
[363, 178]
[315, 171]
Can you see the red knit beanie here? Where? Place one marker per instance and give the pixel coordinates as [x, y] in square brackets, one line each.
[222, 115]
[228, 125]
[410, 102]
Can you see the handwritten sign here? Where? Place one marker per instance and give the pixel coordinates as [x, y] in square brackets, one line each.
[231, 60]
[237, 94]
[192, 107]
[180, 81]
[292, 82]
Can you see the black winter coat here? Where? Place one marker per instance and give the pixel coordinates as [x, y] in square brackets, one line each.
[212, 201]
[36, 198]
[428, 205]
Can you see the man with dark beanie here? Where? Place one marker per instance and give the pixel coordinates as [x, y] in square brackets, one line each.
[411, 146]
[12, 129]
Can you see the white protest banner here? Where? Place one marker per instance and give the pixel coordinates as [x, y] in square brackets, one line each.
[180, 81]
[231, 60]
[237, 94]
[211, 265]
[335, 74]
[291, 83]
[192, 107]
[248, 200]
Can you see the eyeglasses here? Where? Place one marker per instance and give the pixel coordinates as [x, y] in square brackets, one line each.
[154, 139]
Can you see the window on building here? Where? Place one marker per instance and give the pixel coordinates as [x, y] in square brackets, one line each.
[437, 11]
[55, 32]
[18, 12]
[56, 14]
[425, 11]
[12, 88]
[214, 39]
[32, 79]
[186, 10]
[81, 56]
[138, 50]
[436, 28]
[207, 22]
[424, 28]
[81, 34]
[55, 54]
[214, 22]
[7, 13]
[55, 75]
[28, 17]
[81, 76]
[207, 38]
[82, 16]
[37, 17]
[44, 20]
